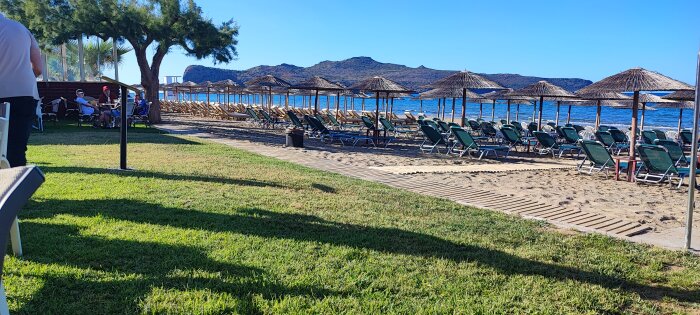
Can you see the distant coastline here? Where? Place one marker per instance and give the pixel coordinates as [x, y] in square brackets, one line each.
[351, 70]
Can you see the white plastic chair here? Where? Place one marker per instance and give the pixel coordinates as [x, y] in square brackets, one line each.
[4, 128]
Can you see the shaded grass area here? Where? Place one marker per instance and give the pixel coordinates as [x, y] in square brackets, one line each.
[203, 228]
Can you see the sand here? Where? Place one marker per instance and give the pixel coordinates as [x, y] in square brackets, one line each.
[656, 206]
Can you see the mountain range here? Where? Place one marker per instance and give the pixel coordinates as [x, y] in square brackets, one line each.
[354, 69]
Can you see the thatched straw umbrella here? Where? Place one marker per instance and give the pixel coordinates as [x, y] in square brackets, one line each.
[317, 84]
[465, 80]
[186, 85]
[450, 93]
[506, 95]
[681, 105]
[636, 80]
[227, 85]
[378, 85]
[599, 97]
[543, 89]
[681, 95]
[268, 82]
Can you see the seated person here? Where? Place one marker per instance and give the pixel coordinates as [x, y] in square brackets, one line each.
[106, 97]
[88, 108]
[141, 106]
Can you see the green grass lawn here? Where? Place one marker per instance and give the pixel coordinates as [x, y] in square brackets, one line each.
[204, 228]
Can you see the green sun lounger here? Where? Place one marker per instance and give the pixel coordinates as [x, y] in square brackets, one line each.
[570, 135]
[674, 150]
[659, 166]
[469, 145]
[432, 139]
[597, 159]
[548, 145]
[513, 139]
[649, 136]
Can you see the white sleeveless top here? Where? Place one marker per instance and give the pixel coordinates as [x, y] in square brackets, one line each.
[16, 74]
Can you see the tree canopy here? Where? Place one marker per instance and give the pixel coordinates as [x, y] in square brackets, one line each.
[160, 25]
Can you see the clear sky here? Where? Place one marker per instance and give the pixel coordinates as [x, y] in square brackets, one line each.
[588, 39]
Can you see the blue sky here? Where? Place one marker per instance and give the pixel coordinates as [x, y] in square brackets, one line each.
[588, 39]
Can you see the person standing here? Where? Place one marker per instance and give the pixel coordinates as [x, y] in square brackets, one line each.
[20, 65]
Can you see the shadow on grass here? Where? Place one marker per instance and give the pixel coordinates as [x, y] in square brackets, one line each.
[143, 266]
[273, 225]
[164, 176]
[70, 135]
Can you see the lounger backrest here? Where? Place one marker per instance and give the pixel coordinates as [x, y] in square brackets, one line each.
[443, 126]
[649, 136]
[570, 134]
[319, 125]
[552, 124]
[579, 128]
[618, 135]
[387, 125]
[464, 138]
[673, 148]
[545, 139]
[368, 123]
[295, 120]
[559, 132]
[432, 134]
[474, 125]
[605, 137]
[504, 122]
[659, 134]
[432, 124]
[488, 129]
[656, 159]
[596, 153]
[510, 134]
[686, 137]
[532, 127]
[331, 118]
[450, 125]
[603, 128]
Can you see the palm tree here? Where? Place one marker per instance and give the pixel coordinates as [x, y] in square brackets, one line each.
[98, 57]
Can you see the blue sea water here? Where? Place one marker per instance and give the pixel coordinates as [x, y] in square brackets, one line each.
[661, 118]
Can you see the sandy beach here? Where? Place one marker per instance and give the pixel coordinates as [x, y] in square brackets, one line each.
[656, 206]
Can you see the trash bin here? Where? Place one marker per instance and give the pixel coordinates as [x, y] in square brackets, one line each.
[295, 137]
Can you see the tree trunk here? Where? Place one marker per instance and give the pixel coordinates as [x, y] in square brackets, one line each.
[149, 80]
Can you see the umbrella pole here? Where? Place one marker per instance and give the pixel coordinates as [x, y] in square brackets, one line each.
[315, 103]
[464, 107]
[539, 118]
[597, 115]
[693, 160]
[556, 119]
[453, 109]
[680, 121]
[481, 110]
[328, 103]
[438, 111]
[508, 112]
[644, 109]
[444, 107]
[493, 111]
[633, 132]
[363, 104]
[517, 111]
[286, 101]
[337, 106]
[376, 116]
[421, 106]
[568, 115]
[534, 112]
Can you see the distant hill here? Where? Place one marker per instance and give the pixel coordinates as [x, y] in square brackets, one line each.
[354, 69]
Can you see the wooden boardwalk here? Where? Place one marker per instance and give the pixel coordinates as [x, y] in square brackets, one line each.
[557, 215]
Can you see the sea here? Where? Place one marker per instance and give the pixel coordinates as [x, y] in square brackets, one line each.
[655, 118]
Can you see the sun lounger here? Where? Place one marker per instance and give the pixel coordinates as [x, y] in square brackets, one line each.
[648, 136]
[674, 150]
[513, 138]
[659, 166]
[570, 135]
[548, 145]
[659, 134]
[397, 131]
[598, 158]
[469, 145]
[432, 139]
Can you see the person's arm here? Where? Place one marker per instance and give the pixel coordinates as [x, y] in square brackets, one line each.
[35, 57]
